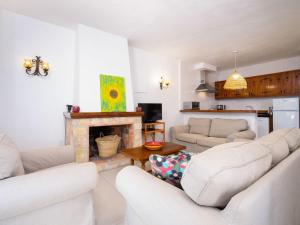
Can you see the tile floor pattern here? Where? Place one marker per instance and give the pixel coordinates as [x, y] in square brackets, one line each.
[109, 204]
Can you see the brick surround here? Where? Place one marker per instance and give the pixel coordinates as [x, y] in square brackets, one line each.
[77, 134]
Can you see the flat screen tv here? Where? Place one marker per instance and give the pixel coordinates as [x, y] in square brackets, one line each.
[152, 112]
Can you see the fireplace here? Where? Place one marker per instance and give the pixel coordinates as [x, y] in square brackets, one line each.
[82, 128]
[95, 132]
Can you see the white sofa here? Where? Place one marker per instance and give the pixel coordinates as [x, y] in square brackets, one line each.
[203, 133]
[43, 186]
[273, 199]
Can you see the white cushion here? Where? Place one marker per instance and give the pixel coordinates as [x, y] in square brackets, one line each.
[211, 141]
[292, 137]
[8, 160]
[277, 144]
[199, 126]
[214, 176]
[224, 127]
[187, 137]
[39, 159]
[6, 141]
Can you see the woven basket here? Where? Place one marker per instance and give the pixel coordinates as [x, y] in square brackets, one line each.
[108, 145]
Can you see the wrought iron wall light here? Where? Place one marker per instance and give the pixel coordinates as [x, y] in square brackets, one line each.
[38, 65]
[163, 83]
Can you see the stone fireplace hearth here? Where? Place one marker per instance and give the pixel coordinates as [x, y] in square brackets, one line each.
[78, 129]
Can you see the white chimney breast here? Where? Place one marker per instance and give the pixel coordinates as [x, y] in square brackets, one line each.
[204, 66]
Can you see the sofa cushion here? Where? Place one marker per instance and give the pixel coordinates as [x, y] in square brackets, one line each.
[187, 137]
[8, 160]
[277, 144]
[199, 126]
[214, 176]
[224, 127]
[6, 141]
[211, 141]
[292, 137]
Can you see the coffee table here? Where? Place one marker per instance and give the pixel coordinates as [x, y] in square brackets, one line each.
[142, 154]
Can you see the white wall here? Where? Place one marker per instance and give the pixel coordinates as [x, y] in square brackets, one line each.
[147, 68]
[190, 79]
[32, 107]
[100, 53]
[258, 69]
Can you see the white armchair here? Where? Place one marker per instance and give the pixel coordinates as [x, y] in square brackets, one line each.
[54, 191]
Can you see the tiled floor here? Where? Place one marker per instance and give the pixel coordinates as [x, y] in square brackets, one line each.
[109, 204]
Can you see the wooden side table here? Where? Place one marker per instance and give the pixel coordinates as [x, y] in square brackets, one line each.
[142, 154]
[152, 129]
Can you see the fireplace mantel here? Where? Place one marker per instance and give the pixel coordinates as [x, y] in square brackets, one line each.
[78, 129]
[85, 115]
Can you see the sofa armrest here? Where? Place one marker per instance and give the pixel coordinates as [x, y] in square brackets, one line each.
[247, 134]
[23, 194]
[158, 203]
[178, 129]
[39, 159]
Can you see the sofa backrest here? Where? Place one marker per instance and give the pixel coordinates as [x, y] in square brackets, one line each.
[199, 125]
[274, 199]
[222, 128]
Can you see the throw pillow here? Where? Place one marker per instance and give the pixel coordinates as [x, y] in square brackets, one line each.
[8, 160]
[170, 168]
[213, 177]
[6, 141]
[278, 147]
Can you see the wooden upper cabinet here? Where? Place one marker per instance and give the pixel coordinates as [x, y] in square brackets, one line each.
[270, 85]
[219, 91]
[252, 86]
[287, 83]
[296, 82]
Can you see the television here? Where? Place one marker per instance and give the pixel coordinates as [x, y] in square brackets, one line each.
[152, 112]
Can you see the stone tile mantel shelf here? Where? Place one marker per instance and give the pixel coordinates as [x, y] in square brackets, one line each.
[83, 115]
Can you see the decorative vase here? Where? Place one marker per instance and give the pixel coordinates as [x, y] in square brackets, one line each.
[75, 109]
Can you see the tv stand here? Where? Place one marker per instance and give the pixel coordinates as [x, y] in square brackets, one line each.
[152, 129]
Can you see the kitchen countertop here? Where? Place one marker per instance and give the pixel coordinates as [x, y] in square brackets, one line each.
[224, 111]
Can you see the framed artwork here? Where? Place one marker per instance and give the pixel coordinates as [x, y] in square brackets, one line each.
[113, 93]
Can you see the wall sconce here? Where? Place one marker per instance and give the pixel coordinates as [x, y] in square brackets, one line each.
[38, 64]
[163, 83]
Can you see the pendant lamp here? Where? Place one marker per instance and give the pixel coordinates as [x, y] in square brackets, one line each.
[235, 81]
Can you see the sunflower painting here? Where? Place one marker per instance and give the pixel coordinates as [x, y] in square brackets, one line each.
[112, 91]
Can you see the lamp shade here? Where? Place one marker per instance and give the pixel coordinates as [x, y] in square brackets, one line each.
[235, 81]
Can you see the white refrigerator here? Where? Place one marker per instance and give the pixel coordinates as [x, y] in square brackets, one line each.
[285, 113]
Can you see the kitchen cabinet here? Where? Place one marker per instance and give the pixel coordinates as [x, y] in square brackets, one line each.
[269, 85]
[252, 84]
[296, 82]
[219, 91]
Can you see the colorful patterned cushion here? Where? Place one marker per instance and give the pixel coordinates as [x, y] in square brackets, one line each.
[170, 168]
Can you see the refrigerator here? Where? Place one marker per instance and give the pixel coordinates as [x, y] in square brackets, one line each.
[285, 113]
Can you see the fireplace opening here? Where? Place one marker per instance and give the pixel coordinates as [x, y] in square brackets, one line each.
[95, 132]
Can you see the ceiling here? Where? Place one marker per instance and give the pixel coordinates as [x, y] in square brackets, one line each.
[191, 30]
